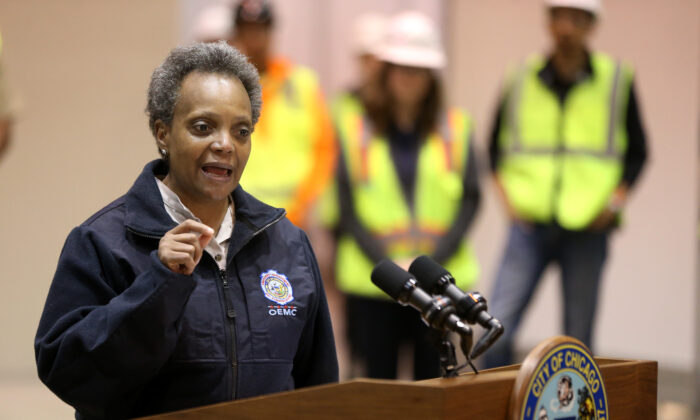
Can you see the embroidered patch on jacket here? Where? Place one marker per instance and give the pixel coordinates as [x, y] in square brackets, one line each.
[276, 287]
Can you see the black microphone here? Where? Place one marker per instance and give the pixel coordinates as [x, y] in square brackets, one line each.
[436, 311]
[470, 306]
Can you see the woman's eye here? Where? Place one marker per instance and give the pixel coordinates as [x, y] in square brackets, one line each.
[244, 132]
[201, 128]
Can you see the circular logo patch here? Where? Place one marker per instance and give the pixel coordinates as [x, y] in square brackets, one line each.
[276, 287]
[565, 384]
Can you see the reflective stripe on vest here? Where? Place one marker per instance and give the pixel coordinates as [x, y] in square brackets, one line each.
[562, 162]
[379, 203]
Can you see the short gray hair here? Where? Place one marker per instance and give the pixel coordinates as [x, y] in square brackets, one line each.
[212, 57]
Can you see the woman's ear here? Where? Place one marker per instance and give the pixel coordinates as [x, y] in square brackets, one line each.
[162, 135]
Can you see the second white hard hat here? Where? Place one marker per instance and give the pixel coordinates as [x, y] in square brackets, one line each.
[213, 23]
[593, 6]
[411, 39]
[369, 33]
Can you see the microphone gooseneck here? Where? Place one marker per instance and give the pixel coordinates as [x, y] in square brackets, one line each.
[470, 307]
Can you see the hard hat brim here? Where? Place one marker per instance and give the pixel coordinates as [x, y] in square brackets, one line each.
[413, 57]
[592, 6]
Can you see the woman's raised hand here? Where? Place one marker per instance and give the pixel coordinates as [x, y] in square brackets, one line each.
[180, 249]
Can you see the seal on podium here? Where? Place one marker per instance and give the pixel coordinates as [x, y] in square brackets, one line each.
[559, 380]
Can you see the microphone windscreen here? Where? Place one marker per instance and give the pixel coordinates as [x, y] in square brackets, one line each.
[390, 278]
[427, 272]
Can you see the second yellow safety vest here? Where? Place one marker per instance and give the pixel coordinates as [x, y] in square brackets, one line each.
[379, 203]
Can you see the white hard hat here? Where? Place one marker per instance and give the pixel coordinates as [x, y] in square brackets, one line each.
[369, 33]
[213, 23]
[593, 6]
[412, 40]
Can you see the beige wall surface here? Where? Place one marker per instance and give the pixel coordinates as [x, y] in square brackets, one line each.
[81, 68]
[317, 33]
[647, 307]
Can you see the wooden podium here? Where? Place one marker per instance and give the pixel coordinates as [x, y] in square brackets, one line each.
[630, 384]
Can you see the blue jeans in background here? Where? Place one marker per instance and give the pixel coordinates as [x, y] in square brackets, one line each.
[530, 249]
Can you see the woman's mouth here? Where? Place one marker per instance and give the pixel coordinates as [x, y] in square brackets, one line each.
[217, 171]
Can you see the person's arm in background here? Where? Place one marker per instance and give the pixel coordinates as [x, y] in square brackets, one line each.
[633, 162]
[323, 160]
[471, 197]
[5, 116]
[316, 362]
[349, 223]
[495, 156]
[5, 134]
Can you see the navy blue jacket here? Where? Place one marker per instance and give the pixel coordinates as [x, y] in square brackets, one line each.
[122, 336]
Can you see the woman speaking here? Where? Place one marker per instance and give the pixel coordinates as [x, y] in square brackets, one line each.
[187, 290]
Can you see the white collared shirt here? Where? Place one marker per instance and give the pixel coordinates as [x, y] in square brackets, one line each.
[218, 246]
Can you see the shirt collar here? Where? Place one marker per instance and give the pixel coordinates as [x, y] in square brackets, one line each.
[179, 212]
[146, 215]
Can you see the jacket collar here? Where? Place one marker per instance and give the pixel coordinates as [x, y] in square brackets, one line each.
[146, 215]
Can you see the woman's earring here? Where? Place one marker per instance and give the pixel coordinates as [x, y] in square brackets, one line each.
[164, 153]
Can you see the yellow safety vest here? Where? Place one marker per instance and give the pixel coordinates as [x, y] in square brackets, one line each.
[562, 162]
[292, 153]
[381, 207]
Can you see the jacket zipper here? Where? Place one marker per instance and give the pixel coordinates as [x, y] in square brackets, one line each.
[230, 318]
[231, 314]
[230, 311]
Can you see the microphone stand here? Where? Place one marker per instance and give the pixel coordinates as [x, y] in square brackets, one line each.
[448, 358]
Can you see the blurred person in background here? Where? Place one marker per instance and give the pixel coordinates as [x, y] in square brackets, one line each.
[567, 146]
[5, 114]
[294, 138]
[187, 290]
[365, 92]
[406, 185]
[368, 36]
[213, 24]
